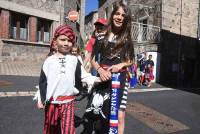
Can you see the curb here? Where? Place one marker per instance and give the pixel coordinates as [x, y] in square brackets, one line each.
[135, 90]
[15, 94]
[32, 93]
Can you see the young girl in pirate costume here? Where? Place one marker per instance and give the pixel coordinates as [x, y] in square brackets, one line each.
[112, 55]
[60, 81]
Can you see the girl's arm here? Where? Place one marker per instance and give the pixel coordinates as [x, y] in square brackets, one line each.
[88, 78]
[118, 67]
[104, 74]
[40, 95]
[37, 97]
[87, 59]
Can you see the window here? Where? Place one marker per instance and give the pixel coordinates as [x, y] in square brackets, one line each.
[43, 30]
[143, 30]
[19, 26]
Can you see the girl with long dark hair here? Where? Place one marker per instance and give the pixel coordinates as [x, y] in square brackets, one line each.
[112, 55]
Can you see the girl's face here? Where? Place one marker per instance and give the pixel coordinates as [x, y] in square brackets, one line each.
[118, 17]
[63, 44]
[74, 51]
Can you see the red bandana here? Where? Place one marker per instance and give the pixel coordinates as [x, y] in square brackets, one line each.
[64, 30]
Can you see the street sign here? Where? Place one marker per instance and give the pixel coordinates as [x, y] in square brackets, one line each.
[73, 15]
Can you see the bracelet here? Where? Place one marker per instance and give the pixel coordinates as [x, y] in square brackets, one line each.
[98, 68]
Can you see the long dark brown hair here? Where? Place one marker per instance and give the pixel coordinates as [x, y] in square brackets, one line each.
[123, 36]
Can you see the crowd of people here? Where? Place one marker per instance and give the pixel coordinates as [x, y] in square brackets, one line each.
[141, 72]
[110, 51]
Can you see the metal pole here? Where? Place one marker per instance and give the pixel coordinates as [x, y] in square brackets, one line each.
[82, 21]
[60, 11]
[198, 32]
[179, 49]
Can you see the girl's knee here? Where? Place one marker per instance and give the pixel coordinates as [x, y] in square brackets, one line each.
[121, 116]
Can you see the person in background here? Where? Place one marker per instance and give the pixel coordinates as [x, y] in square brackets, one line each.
[60, 81]
[149, 71]
[100, 26]
[141, 63]
[83, 55]
[112, 54]
[76, 52]
[133, 75]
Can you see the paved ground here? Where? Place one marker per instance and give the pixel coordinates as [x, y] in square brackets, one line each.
[20, 68]
[161, 112]
[164, 112]
[167, 111]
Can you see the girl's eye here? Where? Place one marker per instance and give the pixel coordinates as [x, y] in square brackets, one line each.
[63, 39]
[117, 13]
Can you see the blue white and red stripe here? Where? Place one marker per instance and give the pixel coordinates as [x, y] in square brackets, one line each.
[114, 103]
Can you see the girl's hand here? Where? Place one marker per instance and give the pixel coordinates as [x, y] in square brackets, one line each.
[116, 68]
[40, 105]
[104, 74]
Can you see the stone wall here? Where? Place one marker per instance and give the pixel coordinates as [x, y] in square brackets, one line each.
[51, 6]
[90, 19]
[107, 6]
[181, 17]
[149, 8]
[29, 8]
[12, 51]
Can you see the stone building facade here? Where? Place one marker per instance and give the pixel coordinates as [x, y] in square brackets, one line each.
[90, 19]
[106, 8]
[26, 27]
[180, 46]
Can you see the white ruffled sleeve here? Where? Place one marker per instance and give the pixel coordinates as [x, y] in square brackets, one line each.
[88, 78]
[37, 96]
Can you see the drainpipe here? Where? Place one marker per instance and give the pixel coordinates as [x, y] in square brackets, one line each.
[60, 11]
[180, 49]
[197, 65]
[198, 32]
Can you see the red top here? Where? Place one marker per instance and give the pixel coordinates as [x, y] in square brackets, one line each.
[90, 44]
